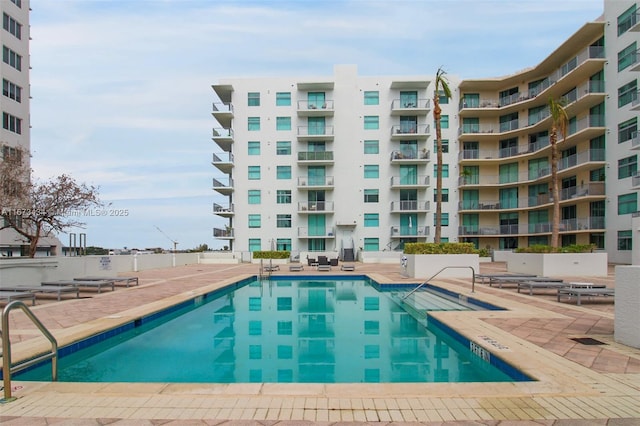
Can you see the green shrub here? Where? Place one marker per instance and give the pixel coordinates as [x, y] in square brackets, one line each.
[284, 254]
[541, 248]
[439, 248]
[483, 252]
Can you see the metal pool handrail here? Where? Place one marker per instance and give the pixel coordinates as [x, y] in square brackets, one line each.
[473, 279]
[7, 369]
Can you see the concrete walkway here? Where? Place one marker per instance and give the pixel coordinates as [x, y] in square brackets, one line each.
[576, 384]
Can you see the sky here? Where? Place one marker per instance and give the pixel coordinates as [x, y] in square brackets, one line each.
[122, 99]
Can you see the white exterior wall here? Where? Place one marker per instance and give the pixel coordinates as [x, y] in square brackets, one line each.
[346, 90]
[614, 116]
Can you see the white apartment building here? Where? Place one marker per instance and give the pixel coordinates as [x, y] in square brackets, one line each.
[14, 69]
[346, 163]
[332, 164]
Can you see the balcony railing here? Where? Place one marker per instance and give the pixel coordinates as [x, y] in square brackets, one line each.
[315, 131]
[315, 156]
[409, 205]
[411, 104]
[406, 181]
[223, 157]
[566, 225]
[635, 140]
[222, 210]
[222, 107]
[315, 181]
[222, 183]
[305, 232]
[410, 129]
[635, 179]
[425, 154]
[580, 158]
[409, 231]
[222, 133]
[316, 206]
[325, 105]
[223, 233]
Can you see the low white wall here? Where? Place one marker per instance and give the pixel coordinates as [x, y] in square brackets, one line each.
[558, 264]
[34, 271]
[426, 265]
[501, 255]
[627, 306]
[380, 256]
[219, 257]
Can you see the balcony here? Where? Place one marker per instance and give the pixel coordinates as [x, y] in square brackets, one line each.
[635, 140]
[410, 132]
[406, 231]
[634, 22]
[309, 233]
[411, 157]
[316, 157]
[223, 137]
[223, 113]
[223, 186]
[635, 104]
[588, 224]
[315, 108]
[223, 162]
[410, 206]
[581, 158]
[414, 107]
[316, 207]
[635, 180]
[314, 183]
[315, 133]
[405, 182]
[222, 210]
[223, 234]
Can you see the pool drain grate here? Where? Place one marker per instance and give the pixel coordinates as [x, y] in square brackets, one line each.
[587, 341]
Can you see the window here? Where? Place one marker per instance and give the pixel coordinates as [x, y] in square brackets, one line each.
[371, 220]
[471, 125]
[445, 170]
[371, 98]
[627, 129]
[253, 99]
[445, 146]
[283, 244]
[627, 93]
[371, 244]
[317, 126]
[597, 175]
[253, 147]
[284, 303]
[371, 147]
[11, 123]
[471, 100]
[627, 167]
[508, 172]
[627, 203]
[445, 195]
[11, 58]
[254, 196]
[11, 91]
[444, 121]
[442, 98]
[627, 19]
[443, 222]
[254, 124]
[625, 240]
[538, 168]
[283, 221]
[283, 148]
[255, 244]
[371, 171]
[371, 122]
[17, 2]
[371, 196]
[283, 196]
[283, 172]
[254, 221]
[283, 99]
[11, 25]
[254, 172]
[508, 122]
[283, 123]
[627, 56]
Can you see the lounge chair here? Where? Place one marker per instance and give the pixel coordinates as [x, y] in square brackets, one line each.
[117, 280]
[76, 283]
[296, 267]
[270, 268]
[579, 292]
[348, 267]
[57, 290]
[10, 296]
[324, 268]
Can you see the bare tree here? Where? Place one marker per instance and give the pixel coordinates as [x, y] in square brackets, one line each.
[40, 209]
[560, 124]
[441, 85]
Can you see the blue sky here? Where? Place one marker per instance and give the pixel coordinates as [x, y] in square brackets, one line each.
[121, 89]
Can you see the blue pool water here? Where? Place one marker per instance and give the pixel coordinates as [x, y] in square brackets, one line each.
[283, 330]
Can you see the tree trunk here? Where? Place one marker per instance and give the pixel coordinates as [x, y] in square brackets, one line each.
[438, 222]
[555, 192]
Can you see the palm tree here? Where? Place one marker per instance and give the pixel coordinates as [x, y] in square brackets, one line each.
[441, 85]
[560, 124]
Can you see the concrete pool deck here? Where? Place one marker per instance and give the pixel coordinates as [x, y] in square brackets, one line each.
[575, 383]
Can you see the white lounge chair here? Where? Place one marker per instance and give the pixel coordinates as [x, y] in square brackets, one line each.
[348, 267]
[10, 296]
[117, 280]
[296, 267]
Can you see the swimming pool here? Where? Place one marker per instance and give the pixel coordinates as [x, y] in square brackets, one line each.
[284, 330]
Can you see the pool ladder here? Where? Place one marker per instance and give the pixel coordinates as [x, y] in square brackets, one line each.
[473, 279]
[7, 369]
